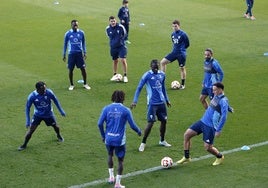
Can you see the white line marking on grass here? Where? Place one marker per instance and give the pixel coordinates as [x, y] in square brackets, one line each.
[97, 182]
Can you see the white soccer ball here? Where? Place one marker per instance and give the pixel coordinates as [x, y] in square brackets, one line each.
[175, 84]
[119, 77]
[166, 162]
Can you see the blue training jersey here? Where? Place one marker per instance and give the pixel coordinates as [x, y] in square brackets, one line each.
[155, 87]
[212, 73]
[180, 41]
[42, 105]
[74, 42]
[117, 35]
[216, 113]
[115, 116]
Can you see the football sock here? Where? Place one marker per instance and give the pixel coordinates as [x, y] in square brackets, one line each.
[118, 179]
[115, 73]
[219, 155]
[125, 74]
[111, 172]
[182, 82]
[187, 154]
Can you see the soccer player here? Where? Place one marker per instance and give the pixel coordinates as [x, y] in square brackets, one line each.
[115, 116]
[248, 13]
[124, 17]
[180, 42]
[210, 125]
[118, 50]
[157, 99]
[212, 73]
[41, 98]
[74, 40]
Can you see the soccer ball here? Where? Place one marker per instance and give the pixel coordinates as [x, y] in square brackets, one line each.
[117, 78]
[175, 84]
[166, 162]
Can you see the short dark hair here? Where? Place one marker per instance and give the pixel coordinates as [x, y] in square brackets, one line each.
[176, 22]
[118, 96]
[209, 50]
[111, 17]
[40, 85]
[219, 85]
[73, 21]
[154, 62]
[125, 2]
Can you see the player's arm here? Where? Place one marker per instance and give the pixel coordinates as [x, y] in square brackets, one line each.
[27, 110]
[65, 46]
[219, 70]
[56, 102]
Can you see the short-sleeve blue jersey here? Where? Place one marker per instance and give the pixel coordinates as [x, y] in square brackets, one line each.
[74, 42]
[42, 105]
[180, 41]
[117, 35]
[155, 87]
[115, 116]
[212, 73]
[216, 113]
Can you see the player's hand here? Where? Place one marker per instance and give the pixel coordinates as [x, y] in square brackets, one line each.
[63, 114]
[85, 56]
[103, 140]
[133, 105]
[217, 134]
[64, 58]
[27, 126]
[139, 133]
[168, 104]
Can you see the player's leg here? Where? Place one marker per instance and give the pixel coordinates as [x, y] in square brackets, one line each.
[161, 114]
[182, 62]
[203, 96]
[163, 64]
[120, 153]
[110, 163]
[36, 121]
[52, 122]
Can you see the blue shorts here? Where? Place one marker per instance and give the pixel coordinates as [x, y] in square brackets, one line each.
[119, 151]
[181, 58]
[208, 132]
[76, 59]
[157, 110]
[120, 52]
[36, 120]
[208, 92]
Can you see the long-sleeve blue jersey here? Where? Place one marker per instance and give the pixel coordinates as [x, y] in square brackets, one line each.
[212, 73]
[74, 42]
[42, 105]
[115, 116]
[155, 87]
[117, 35]
[123, 14]
[216, 114]
[180, 41]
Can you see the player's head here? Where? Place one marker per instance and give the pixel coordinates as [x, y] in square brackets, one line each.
[218, 88]
[112, 21]
[155, 65]
[125, 2]
[74, 25]
[118, 96]
[208, 54]
[40, 87]
[176, 25]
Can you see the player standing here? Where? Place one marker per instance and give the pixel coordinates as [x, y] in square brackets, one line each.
[115, 116]
[157, 99]
[41, 98]
[118, 50]
[180, 42]
[74, 40]
[124, 17]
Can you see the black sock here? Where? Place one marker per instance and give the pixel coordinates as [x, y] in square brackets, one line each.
[182, 82]
[187, 154]
[125, 74]
[115, 73]
[219, 155]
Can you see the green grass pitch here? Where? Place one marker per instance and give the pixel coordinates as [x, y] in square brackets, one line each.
[31, 49]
